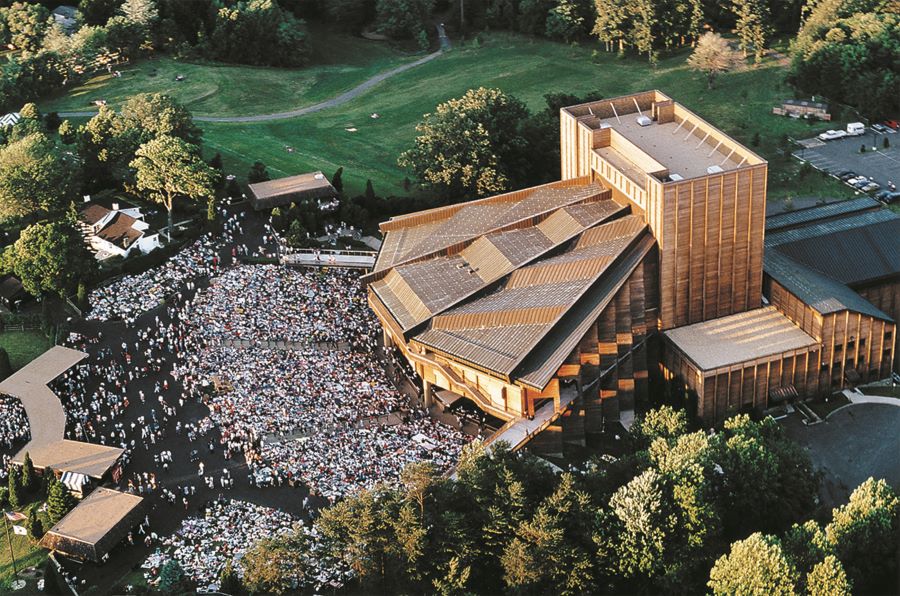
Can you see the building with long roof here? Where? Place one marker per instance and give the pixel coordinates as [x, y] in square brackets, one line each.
[563, 302]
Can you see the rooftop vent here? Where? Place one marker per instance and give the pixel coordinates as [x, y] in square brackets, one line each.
[644, 121]
[675, 177]
[319, 176]
[714, 170]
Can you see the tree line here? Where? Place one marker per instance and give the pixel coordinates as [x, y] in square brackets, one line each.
[680, 512]
[150, 147]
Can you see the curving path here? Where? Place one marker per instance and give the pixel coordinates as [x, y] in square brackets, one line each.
[318, 107]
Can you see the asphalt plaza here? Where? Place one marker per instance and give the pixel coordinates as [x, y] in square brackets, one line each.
[881, 164]
[854, 443]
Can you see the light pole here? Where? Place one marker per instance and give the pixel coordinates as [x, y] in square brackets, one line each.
[9, 541]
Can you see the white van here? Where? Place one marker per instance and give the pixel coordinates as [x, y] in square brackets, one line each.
[854, 129]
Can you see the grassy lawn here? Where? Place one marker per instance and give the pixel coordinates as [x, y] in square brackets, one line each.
[28, 553]
[527, 68]
[339, 62]
[23, 346]
[883, 390]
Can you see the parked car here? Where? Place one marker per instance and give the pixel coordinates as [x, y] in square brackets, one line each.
[854, 129]
[880, 128]
[892, 124]
[888, 196]
[857, 181]
[847, 175]
[830, 135]
[871, 187]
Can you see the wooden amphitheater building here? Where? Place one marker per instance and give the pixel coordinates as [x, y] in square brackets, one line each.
[643, 264]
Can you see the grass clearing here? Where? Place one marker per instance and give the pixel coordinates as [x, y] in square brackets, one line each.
[528, 68]
[23, 346]
[339, 62]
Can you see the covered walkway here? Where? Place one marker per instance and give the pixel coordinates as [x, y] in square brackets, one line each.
[354, 259]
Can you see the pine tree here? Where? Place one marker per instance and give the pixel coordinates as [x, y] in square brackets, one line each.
[81, 296]
[171, 576]
[35, 525]
[337, 181]
[5, 366]
[29, 479]
[15, 488]
[229, 582]
[216, 162]
[258, 173]
[370, 190]
[752, 26]
[59, 502]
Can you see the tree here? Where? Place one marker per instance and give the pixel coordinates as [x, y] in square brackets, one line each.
[229, 582]
[140, 12]
[258, 173]
[154, 115]
[15, 488]
[455, 581]
[828, 579]
[755, 565]
[611, 24]
[471, 146]
[168, 167]
[752, 27]
[29, 479]
[349, 15]
[67, 132]
[337, 181]
[51, 258]
[59, 502]
[34, 525]
[27, 24]
[81, 296]
[402, 19]
[35, 178]
[5, 366]
[30, 111]
[865, 535]
[664, 422]
[171, 577]
[565, 21]
[712, 56]
[370, 190]
[256, 32]
[97, 12]
[216, 162]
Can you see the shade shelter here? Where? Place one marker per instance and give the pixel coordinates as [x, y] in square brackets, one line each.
[96, 525]
[284, 191]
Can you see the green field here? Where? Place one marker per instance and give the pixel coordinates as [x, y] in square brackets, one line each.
[525, 67]
[340, 62]
[28, 553]
[741, 104]
[23, 346]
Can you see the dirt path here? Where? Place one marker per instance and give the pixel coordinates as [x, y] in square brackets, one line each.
[318, 107]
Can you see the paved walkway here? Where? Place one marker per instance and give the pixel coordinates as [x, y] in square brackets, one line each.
[318, 107]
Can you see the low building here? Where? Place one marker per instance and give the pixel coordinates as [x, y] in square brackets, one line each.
[117, 232]
[800, 108]
[835, 271]
[96, 525]
[284, 191]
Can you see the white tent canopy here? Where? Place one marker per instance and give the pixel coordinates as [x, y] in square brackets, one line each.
[74, 481]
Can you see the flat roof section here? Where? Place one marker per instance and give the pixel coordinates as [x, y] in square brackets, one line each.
[96, 525]
[673, 145]
[89, 459]
[302, 183]
[46, 416]
[743, 337]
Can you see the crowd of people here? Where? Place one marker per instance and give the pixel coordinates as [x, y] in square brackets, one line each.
[226, 530]
[271, 303]
[304, 414]
[14, 429]
[265, 365]
[130, 296]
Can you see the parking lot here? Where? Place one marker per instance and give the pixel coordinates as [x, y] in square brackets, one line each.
[881, 165]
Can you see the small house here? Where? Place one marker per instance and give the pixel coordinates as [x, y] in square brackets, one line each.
[117, 232]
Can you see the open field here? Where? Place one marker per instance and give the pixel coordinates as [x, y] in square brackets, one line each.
[529, 69]
[23, 346]
[339, 62]
[525, 67]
